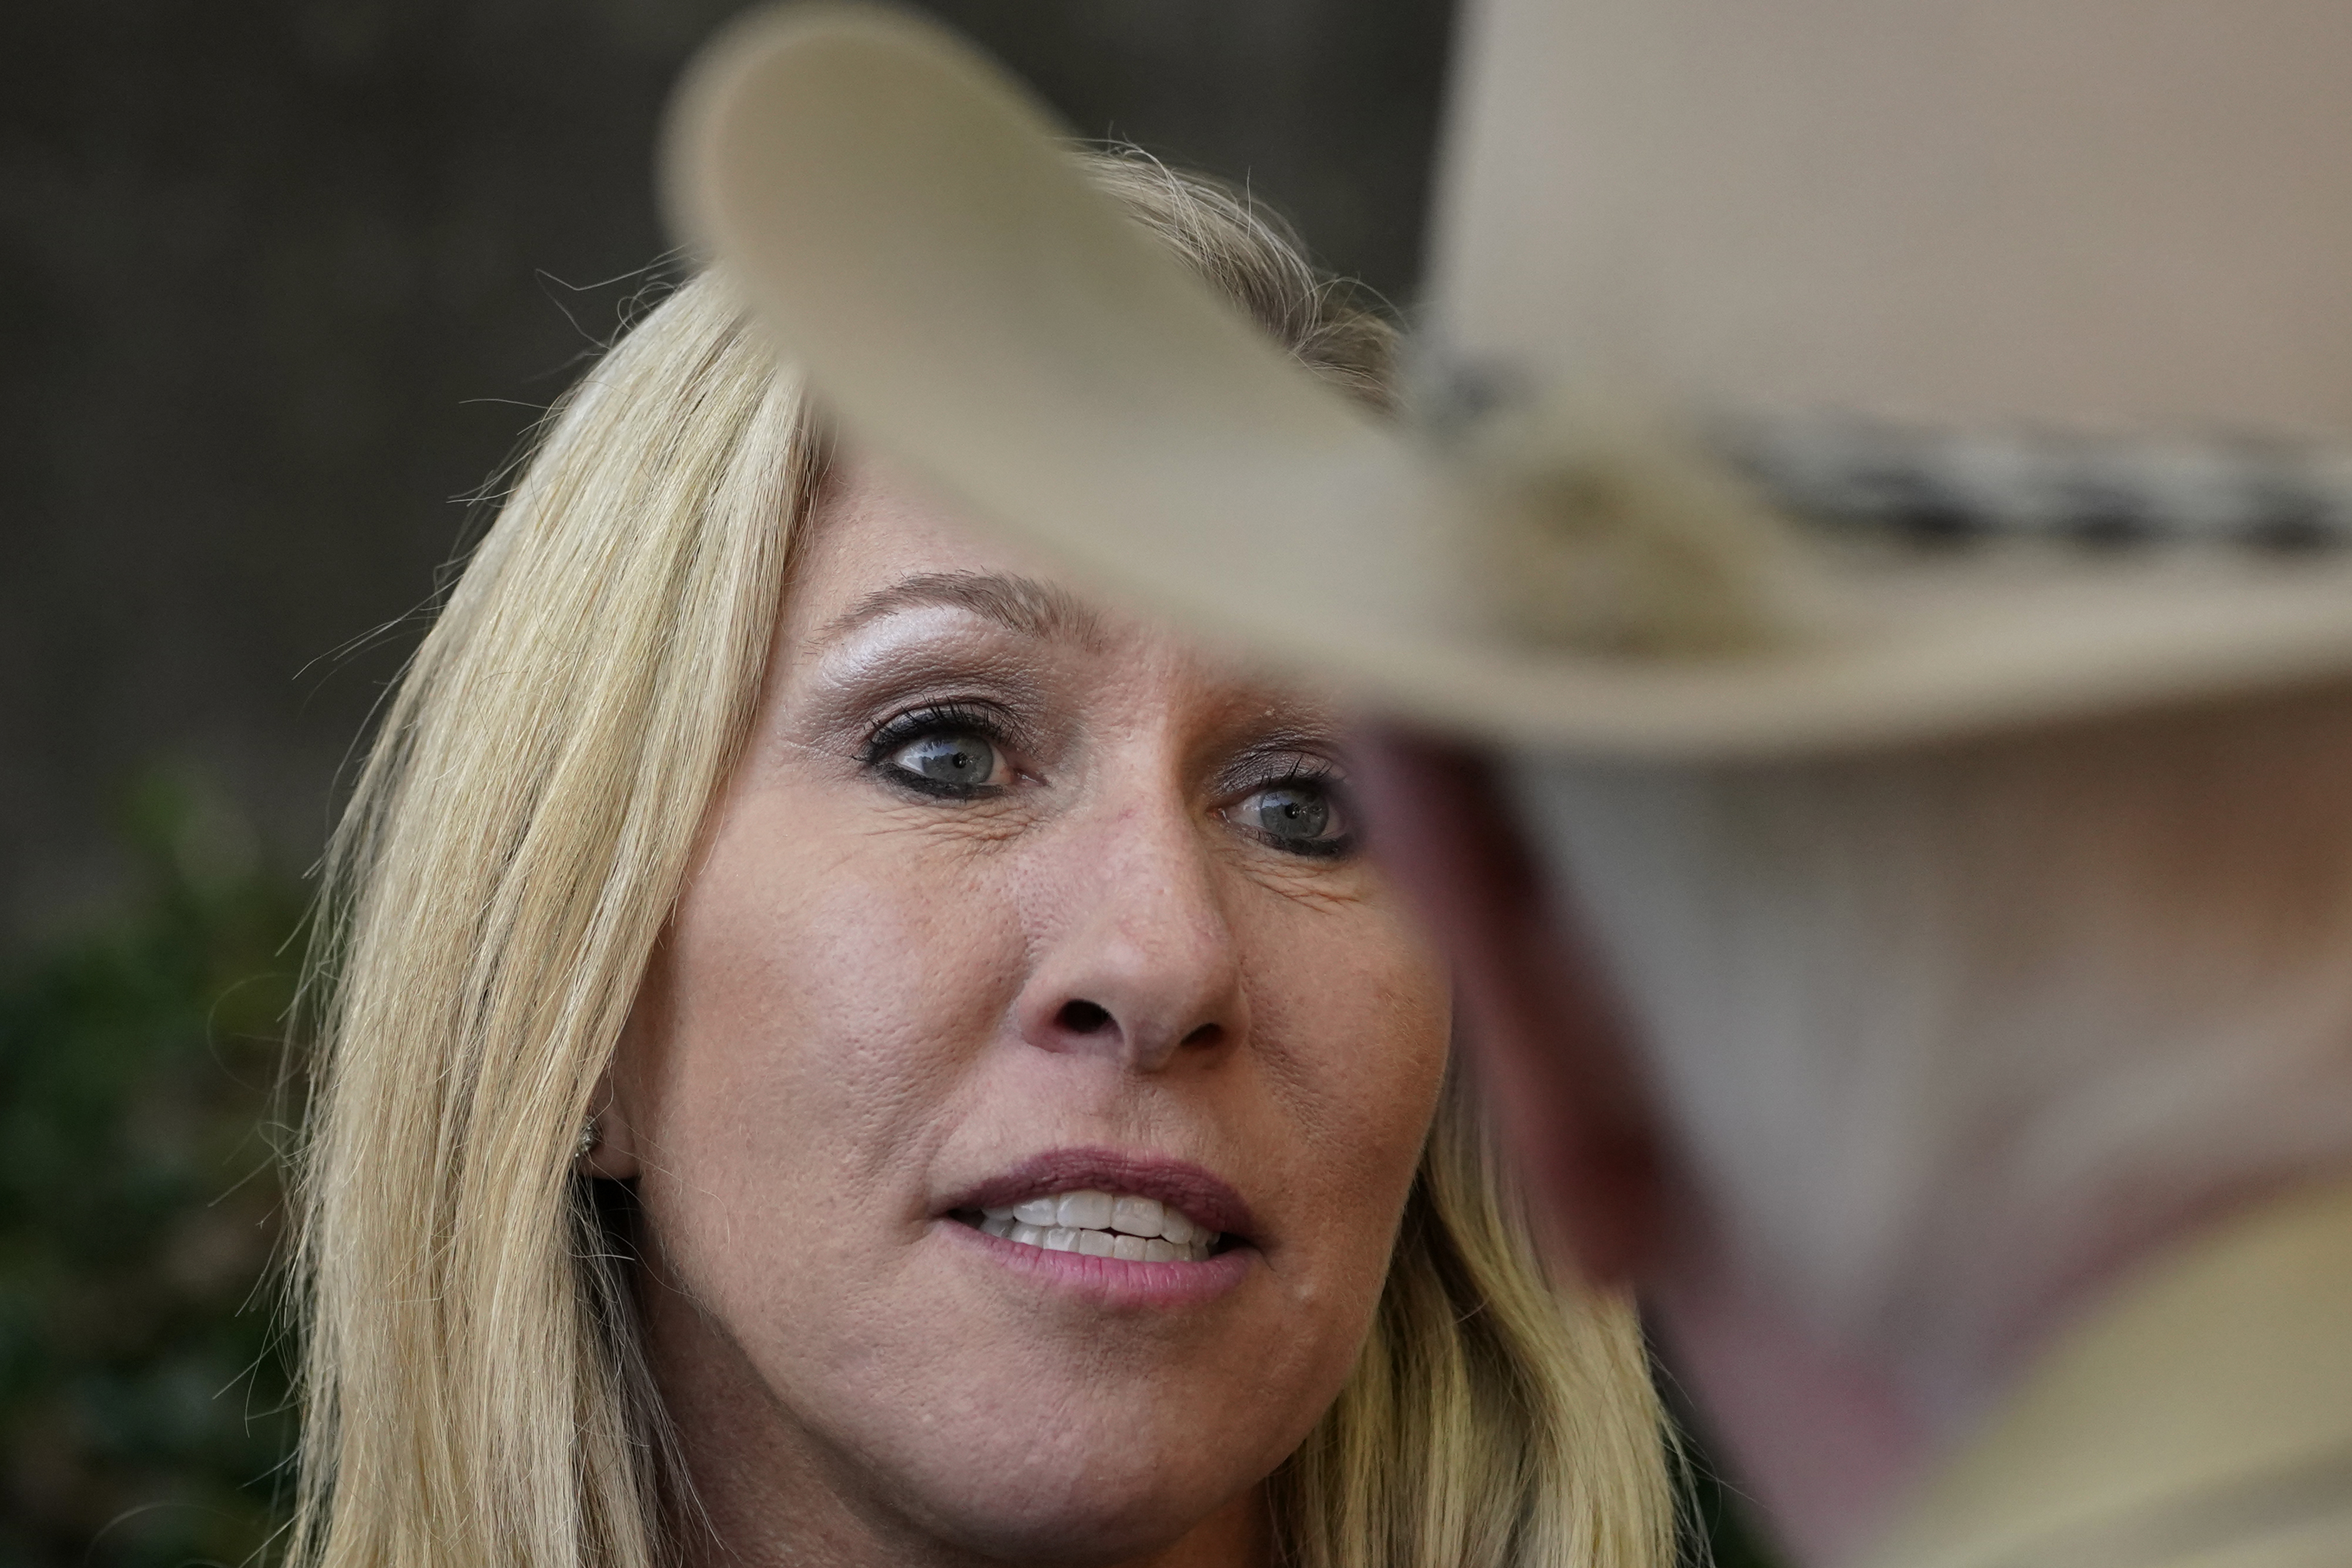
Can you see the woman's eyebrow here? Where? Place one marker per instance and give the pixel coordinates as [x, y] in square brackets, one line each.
[1024, 606]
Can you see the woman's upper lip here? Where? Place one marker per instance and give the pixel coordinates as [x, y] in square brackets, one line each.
[1202, 1197]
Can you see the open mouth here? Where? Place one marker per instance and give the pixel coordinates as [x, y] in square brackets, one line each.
[1095, 1223]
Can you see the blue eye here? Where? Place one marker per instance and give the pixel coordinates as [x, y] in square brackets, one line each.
[1292, 812]
[1297, 815]
[950, 750]
[947, 760]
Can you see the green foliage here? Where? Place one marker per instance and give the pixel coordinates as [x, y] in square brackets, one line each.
[144, 1397]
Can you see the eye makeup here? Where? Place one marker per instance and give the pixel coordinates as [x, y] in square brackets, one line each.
[949, 707]
[879, 692]
[954, 750]
[1296, 802]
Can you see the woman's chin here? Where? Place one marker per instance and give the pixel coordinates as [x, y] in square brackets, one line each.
[1082, 1518]
[1069, 1486]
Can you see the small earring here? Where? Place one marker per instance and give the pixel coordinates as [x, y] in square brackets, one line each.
[591, 1136]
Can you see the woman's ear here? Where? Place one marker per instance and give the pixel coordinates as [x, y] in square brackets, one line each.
[608, 1140]
[1538, 1012]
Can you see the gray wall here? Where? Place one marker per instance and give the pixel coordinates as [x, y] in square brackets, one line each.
[281, 282]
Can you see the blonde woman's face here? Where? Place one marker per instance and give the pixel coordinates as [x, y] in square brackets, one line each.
[1023, 1100]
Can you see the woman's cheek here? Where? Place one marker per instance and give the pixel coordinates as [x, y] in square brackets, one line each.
[1363, 1010]
[820, 985]
[876, 920]
[1411, 1003]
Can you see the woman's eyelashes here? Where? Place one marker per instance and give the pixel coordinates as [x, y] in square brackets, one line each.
[950, 751]
[1301, 812]
[964, 750]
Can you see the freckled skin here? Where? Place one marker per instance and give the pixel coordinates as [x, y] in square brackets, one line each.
[858, 1013]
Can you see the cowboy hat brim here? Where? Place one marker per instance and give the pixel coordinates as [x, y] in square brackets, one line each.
[907, 224]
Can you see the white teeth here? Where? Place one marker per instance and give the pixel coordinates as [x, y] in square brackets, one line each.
[1103, 1224]
[1087, 1210]
[1136, 1216]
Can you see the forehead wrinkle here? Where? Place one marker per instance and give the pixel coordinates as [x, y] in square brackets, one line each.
[1026, 606]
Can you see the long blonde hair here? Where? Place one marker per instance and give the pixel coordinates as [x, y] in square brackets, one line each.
[519, 836]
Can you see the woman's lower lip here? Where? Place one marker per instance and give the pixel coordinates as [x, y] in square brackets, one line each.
[1110, 1282]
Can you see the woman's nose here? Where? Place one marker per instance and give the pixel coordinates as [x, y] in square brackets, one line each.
[1141, 964]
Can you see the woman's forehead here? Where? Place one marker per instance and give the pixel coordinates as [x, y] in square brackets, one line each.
[874, 526]
[878, 545]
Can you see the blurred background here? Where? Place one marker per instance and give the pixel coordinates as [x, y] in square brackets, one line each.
[282, 283]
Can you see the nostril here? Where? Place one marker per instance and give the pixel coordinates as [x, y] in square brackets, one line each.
[1081, 1017]
[1206, 1035]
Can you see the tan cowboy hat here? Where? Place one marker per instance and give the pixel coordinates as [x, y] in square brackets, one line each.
[1802, 374]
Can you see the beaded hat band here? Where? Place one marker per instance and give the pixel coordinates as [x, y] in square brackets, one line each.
[1932, 487]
